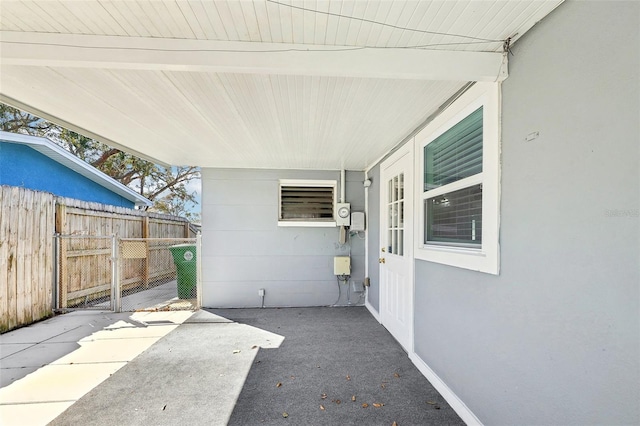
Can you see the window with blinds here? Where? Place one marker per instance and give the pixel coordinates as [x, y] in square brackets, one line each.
[312, 202]
[454, 210]
[456, 154]
[455, 217]
[458, 170]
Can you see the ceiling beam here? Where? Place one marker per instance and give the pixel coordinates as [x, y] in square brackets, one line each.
[109, 52]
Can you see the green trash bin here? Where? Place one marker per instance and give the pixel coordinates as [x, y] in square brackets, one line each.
[184, 256]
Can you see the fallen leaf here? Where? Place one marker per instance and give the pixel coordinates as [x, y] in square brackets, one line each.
[237, 351]
[348, 377]
[165, 406]
[322, 407]
[431, 402]
[437, 407]
[254, 346]
[378, 404]
[396, 375]
[365, 405]
[394, 424]
[323, 396]
[293, 377]
[278, 384]
[353, 398]
[338, 401]
[285, 414]
[383, 386]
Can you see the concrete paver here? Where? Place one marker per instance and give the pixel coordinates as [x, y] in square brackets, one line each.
[194, 375]
[12, 348]
[48, 366]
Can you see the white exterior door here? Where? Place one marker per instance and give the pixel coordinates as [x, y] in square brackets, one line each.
[396, 251]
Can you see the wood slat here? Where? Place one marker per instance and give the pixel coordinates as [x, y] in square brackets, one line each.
[5, 206]
[28, 220]
[12, 281]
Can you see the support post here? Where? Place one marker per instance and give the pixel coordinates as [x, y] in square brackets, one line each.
[145, 235]
[55, 302]
[115, 275]
[63, 278]
[199, 270]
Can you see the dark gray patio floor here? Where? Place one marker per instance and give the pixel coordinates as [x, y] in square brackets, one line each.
[337, 352]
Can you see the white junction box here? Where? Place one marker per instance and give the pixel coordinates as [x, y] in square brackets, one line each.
[357, 221]
[342, 265]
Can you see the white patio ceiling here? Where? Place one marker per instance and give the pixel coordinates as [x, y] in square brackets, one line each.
[256, 84]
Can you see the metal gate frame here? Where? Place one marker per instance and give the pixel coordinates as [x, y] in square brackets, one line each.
[60, 302]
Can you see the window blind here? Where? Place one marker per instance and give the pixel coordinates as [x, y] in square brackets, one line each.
[306, 202]
[455, 217]
[456, 154]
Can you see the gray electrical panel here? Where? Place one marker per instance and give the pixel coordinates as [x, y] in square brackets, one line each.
[357, 221]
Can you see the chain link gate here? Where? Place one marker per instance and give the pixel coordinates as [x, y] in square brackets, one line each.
[127, 274]
[157, 274]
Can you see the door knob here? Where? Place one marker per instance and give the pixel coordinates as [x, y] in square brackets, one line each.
[381, 260]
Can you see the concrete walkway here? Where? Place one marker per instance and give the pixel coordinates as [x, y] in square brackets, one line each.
[48, 366]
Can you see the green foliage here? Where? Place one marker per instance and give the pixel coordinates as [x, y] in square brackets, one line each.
[166, 187]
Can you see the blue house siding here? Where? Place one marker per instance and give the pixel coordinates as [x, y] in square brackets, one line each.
[23, 166]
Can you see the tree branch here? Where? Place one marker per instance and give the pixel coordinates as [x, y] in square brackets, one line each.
[104, 157]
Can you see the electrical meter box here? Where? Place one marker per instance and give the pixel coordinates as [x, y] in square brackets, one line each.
[342, 265]
[343, 214]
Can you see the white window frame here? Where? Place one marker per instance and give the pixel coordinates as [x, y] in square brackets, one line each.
[314, 183]
[486, 258]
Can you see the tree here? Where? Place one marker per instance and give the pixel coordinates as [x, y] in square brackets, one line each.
[166, 187]
[14, 120]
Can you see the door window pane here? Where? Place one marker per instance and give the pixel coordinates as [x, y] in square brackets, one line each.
[395, 211]
[395, 189]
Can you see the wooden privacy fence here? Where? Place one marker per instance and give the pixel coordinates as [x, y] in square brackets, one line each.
[28, 221]
[26, 256]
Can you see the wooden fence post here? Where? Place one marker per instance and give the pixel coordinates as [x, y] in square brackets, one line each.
[145, 235]
[61, 224]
